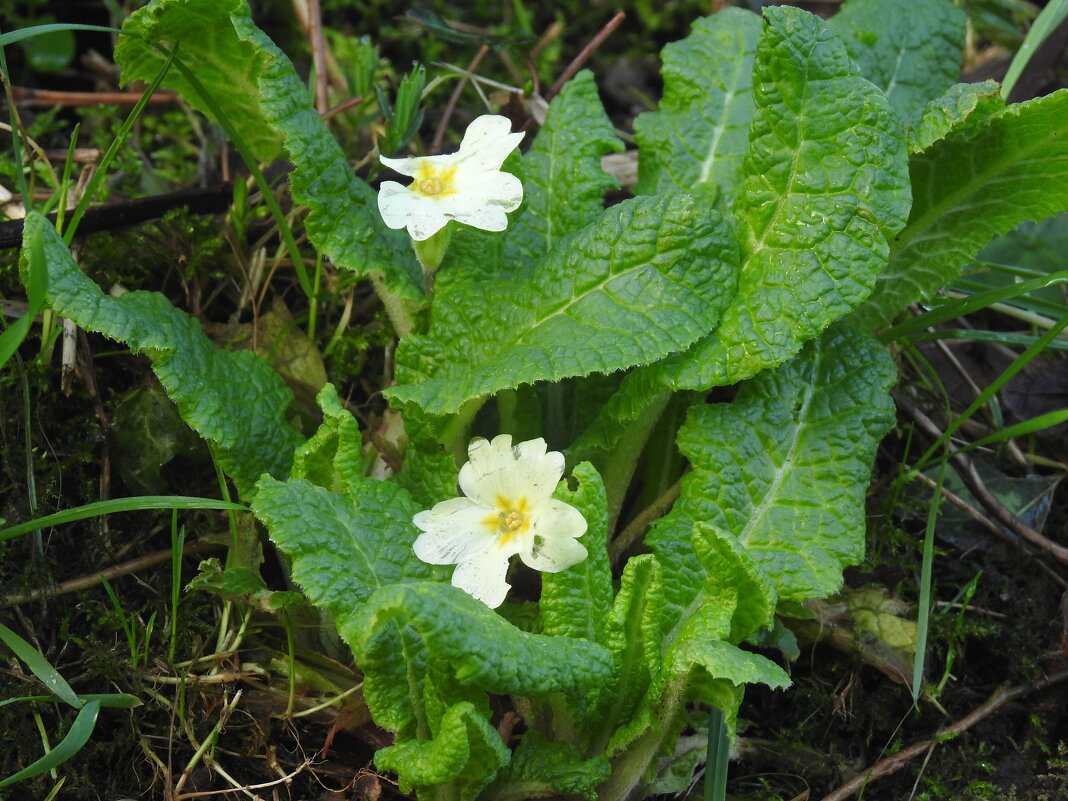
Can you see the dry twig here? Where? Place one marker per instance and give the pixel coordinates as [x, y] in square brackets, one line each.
[891, 764]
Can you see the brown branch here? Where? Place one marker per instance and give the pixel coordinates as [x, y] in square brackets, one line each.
[891, 764]
[48, 97]
[92, 579]
[318, 48]
[454, 98]
[586, 52]
[970, 476]
[209, 200]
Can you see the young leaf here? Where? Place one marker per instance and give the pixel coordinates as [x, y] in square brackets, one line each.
[963, 104]
[648, 278]
[233, 399]
[332, 457]
[76, 738]
[825, 186]
[465, 751]
[575, 602]
[343, 549]
[633, 635]
[482, 649]
[259, 91]
[911, 49]
[969, 188]
[783, 469]
[543, 769]
[563, 183]
[699, 136]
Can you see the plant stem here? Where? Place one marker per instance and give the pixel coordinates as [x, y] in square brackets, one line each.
[618, 470]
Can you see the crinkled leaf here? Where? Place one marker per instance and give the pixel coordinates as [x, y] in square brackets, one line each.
[722, 660]
[228, 67]
[783, 468]
[963, 104]
[911, 49]
[543, 769]
[825, 186]
[466, 751]
[576, 601]
[633, 635]
[699, 135]
[242, 583]
[261, 94]
[563, 183]
[232, 399]
[343, 549]
[970, 187]
[648, 278]
[483, 649]
[429, 472]
[332, 457]
[728, 563]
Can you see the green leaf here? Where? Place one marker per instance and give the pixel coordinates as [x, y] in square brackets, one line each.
[825, 186]
[911, 49]
[332, 458]
[575, 602]
[36, 279]
[963, 104]
[343, 549]
[728, 563]
[40, 667]
[783, 469]
[71, 744]
[228, 67]
[242, 584]
[699, 136]
[969, 188]
[721, 660]
[466, 750]
[232, 399]
[259, 91]
[483, 649]
[648, 278]
[633, 635]
[543, 769]
[563, 183]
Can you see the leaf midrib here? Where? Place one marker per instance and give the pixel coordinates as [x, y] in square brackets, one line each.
[950, 201]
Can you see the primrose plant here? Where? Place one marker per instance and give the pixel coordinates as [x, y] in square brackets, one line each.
[557, 366]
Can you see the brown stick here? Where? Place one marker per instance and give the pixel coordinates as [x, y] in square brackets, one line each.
[48, 97]
[891, 764]
[585, 53]
[969, 475]
[91, 580]
[454, 98]
[318, 48]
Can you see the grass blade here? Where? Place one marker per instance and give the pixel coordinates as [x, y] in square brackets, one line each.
[40, 667]
[137, 504]
[1046, 22]
[717, 757]
[70, 745]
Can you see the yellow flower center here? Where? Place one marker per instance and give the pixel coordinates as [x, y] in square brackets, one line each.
[511, 519]
[431, 181]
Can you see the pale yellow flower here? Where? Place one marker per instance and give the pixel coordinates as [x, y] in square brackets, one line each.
[507, 509]
[467, 186]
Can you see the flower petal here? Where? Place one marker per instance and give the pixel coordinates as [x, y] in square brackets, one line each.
[496, 469]
[484, 577]
[407, 166]
[402, 208]
[487, 142]
[453, 532]
[551, 544]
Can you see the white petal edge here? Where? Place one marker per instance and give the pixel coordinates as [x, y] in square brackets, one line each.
[453, 532]
[487, 142]
[551, 544]
[484, 578]
[402, 208]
